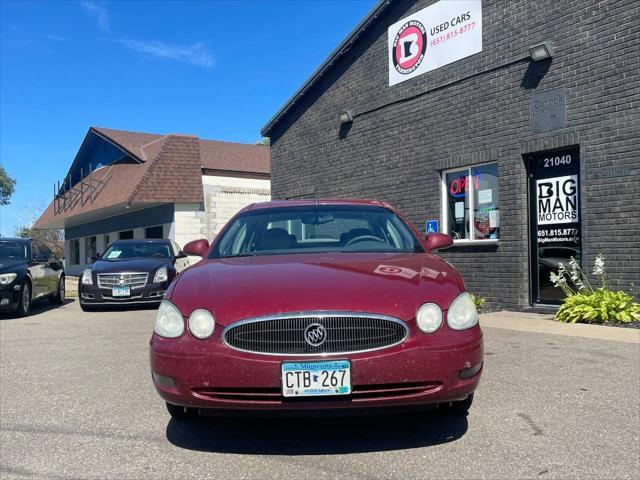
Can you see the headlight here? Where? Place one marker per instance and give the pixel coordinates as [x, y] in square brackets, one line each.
[429, 317]
[161, 275]
[169, 321]
[7, 278]
[201, 323]
[86, 277]
[462, 313]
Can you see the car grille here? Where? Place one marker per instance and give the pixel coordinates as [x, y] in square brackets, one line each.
[133, 280]
[285, 334]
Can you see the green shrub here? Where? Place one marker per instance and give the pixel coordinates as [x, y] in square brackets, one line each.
[588, 305]
[478, 301]
[599, 306]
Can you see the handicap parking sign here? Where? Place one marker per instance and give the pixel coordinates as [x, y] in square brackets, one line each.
[431, 226]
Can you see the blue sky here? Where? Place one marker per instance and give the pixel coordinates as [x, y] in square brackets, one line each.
[216, 69]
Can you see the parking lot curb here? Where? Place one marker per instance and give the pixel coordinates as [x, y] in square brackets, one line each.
[544, 323]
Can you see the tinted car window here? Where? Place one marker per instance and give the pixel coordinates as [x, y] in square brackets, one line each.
[314, 229]
[120, 251]
[43, 249]
[13, 250]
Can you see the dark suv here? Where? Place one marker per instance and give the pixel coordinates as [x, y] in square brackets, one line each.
[28, 271]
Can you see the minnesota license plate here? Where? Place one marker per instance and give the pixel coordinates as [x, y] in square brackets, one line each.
[311, 379]
[121, 291]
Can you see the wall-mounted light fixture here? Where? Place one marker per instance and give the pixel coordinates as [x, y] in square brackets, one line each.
[346, 117]
[541, 51]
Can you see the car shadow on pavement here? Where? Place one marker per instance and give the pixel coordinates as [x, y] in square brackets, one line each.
[317, 436]
[37, 307]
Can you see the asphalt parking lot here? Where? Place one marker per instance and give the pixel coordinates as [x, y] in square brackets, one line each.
[77, 401]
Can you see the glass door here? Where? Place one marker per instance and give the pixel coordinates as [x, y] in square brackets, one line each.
[554, 213]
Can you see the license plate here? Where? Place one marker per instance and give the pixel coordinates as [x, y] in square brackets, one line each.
[312, 379]
[121, 291]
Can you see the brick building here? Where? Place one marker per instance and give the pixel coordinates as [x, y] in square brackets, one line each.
[138, 185]
[513, 126]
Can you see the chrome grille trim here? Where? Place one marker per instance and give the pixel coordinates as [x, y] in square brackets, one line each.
[378, 326]
[131, 279]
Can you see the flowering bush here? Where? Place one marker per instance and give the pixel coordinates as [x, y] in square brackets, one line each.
[584, 304]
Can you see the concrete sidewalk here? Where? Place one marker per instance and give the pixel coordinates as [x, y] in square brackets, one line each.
[544, 323]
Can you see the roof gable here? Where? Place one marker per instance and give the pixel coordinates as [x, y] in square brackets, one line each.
[145, 168]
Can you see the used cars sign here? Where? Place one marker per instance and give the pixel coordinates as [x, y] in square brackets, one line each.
[435, 36]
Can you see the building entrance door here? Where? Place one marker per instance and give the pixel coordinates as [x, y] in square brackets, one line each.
[554, 213]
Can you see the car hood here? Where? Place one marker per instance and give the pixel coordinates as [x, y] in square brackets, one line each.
[390, 284]
[12, 266]
[130, 265]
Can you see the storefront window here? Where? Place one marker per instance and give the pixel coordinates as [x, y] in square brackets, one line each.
[74, 251]
[90, 249]
[472, 205]
[153, 232]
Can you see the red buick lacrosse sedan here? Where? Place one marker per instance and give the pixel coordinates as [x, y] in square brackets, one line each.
[316, 307]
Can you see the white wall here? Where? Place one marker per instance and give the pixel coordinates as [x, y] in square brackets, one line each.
[188, 223]
[225, 196]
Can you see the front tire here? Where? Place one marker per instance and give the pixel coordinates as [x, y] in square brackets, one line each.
[181, 414]
[58, 298]
[24, 304]
[87, 308]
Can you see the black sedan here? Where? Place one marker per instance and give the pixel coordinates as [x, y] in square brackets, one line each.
[131, 272]
[28, 271]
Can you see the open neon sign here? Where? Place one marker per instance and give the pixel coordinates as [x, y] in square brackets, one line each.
[460, 186]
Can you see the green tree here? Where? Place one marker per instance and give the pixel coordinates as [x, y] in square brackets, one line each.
[7, 186]
[52, 238]
[265, 141]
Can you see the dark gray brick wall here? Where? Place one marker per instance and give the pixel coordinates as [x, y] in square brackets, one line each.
[396, 152]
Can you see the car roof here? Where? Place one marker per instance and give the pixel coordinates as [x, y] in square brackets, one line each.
[15, 239]
[322, 201]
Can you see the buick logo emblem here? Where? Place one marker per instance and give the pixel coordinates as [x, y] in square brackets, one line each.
[315, 334]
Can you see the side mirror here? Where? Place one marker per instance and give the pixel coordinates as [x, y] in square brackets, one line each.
[181, 254]
[197, 248]
[95, 257]
[438, 240]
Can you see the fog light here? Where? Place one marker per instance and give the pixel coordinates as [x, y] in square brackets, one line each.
[162, 381]
[470, 372]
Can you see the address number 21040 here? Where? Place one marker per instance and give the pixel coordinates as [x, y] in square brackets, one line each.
[557, 161]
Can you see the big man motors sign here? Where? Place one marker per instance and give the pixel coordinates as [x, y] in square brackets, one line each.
[435, 36]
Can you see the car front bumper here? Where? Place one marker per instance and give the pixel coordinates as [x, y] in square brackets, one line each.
[217, 379]
[151, 293]
[9, 297]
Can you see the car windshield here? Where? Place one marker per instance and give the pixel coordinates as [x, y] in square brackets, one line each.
[13, 250]
[120, 251]
[316, 229]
